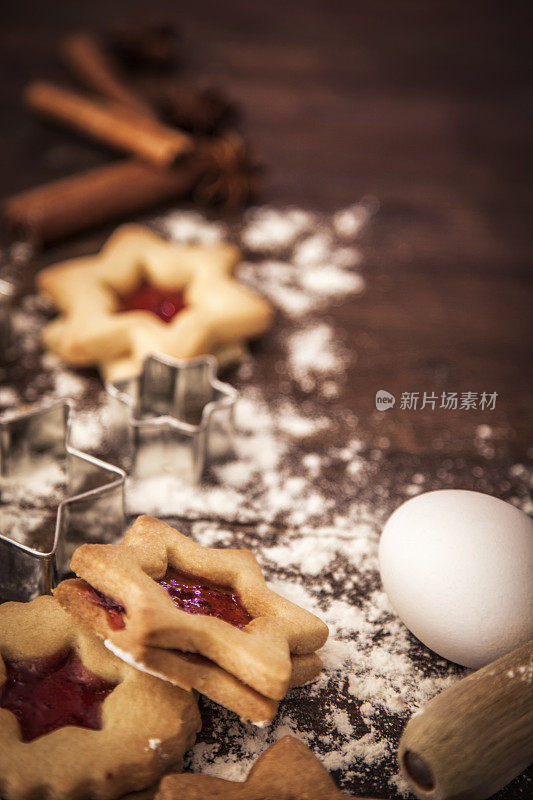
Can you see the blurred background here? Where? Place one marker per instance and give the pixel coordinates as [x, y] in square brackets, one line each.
[423, 109]
[425, 106]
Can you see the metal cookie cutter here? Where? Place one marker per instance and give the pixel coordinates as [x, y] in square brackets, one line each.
[52, 499]
[6, 295]
[174, 417]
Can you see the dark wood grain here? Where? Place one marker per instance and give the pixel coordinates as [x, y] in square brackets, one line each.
[426, 106]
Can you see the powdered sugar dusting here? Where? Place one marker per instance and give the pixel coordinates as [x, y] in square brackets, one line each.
[191, 227]
[310, 270]
[260, 482]
[269, 229]
[370, 675]
[313, 354]
[301, 489]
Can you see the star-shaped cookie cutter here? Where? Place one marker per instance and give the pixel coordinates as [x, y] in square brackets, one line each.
[34, 447]
[6, 295]
[174, 417]
[287, 769]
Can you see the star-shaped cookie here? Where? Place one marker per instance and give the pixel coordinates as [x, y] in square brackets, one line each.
[187, 670]
[165, 591]
[288, 770]
[76, 721]
[142, 294]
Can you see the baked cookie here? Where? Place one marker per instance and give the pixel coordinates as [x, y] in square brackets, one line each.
[75, 721]
[188, 670]
[142, 294]
[288, 770]
[163, 590]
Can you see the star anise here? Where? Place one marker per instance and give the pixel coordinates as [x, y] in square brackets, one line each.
[228, 172]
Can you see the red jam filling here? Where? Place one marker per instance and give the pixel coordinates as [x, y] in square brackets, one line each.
[115, 612]
[197, 595]
[164, 303]
[48, 693]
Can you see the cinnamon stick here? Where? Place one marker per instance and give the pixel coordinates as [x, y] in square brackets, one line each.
[73, 204]
[90, 64]
[112, 124]
[219, 171]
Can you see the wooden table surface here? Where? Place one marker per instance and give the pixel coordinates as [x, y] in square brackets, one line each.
[426, 107]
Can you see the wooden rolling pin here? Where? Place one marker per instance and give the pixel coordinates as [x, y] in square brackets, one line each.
[473, 738]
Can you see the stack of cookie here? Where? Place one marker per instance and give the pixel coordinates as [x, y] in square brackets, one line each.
[200, 618]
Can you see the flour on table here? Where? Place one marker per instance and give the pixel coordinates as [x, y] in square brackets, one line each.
[29, 498]
[369, 675]
[313, 353]
[348, 222]
[269, 229]
[261, 481]
[8, 396]
[68, 384]
[190, 227]
[311, 268]
[301, 490]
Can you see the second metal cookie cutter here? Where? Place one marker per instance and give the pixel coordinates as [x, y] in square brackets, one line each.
[53, 498]
[174, 418]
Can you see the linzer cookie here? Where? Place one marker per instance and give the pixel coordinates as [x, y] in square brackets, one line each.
[142, 294]
[188, 670]
[162, 590]
[76, 722]
[288, 770]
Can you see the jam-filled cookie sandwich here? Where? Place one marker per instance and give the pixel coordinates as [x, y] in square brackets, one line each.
[75, 721]
[142, 294]
[202, 618]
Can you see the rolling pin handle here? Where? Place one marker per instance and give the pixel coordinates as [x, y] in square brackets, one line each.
[418, 770]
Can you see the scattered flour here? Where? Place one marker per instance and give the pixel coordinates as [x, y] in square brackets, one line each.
[310, 513]
[298, 290]
[154, 744]
[349, 221]
[260, 482]
[68, 384]
[8, 396]
[484, 441]
[306, 268]
[369, 676]
[191, 227]
[37, 482]
[313, 354]
[29, 497]
[267, 229]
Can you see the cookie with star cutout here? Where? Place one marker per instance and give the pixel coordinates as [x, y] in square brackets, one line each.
[75, 721]
[142, 294]
[160, 589]
[188, 670]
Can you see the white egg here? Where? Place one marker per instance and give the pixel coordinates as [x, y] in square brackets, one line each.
[458, 569]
